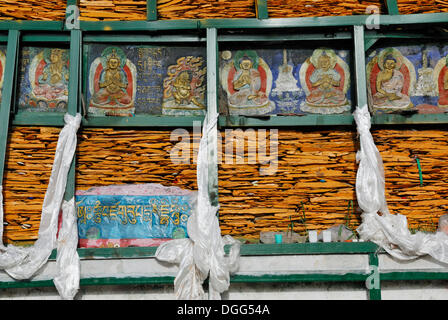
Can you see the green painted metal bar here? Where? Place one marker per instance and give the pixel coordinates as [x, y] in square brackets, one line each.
[7, 102]
[245, 250]
[212, 111]
[368, 43]
[360, 67]
[24, 118]
[413, 276]
[386, 119]
[404, 35]
[56, 119]
[185, 24]
[181, 24]
[237, 278]
[151, 10]
[286, 121]
[114, 253]
[45, 38]
[314, 22]
[286, 37]
[261, 9]
[305, 277]
[73, 84]
[32, 25]
[142, 38]
[392, 7]
[141, 121]
[308, 248]
[73, 99]
[375, 289]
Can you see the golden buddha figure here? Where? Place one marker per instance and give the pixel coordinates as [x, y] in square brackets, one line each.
[112, 86]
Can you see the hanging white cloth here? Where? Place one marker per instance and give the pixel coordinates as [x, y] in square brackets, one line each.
[389, 231]
[24, 262]
[202, 254]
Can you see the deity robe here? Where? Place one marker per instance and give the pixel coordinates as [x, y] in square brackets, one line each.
[328, 96]
[394, 85]
[241, 96]
[51, 90]
[443, 87]
[104, 97]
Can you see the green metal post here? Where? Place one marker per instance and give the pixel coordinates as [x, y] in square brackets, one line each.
[360, 67]
[261, 8]
[151, 10]
[8, 93]
[73, 99]
[392, 7]
[212, 109]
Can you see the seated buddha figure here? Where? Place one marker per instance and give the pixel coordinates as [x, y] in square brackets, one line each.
[247, 84]
[389, 87]
[247, 81]
[325, 82]
[111, 91]
[51, 81]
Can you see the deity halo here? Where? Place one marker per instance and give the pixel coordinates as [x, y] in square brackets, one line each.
[390, 52]
[251, 54]
[110, 51]
[47, 53]
[319, 52]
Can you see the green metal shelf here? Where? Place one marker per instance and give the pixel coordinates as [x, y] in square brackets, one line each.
[245, 250]
[369, 248]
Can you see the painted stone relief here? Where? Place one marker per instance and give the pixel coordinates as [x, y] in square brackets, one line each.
[183, 88]
[132, 80]
[44, 75]
[285, 81]
[112, 84]
[247, 79]
[325, 79]
[408, 79]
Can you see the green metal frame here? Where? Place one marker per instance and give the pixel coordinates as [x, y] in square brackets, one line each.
[363, 248]
[214, 32]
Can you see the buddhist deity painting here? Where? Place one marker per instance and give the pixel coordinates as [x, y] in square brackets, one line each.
[112, 84]
[44, 75]
[325, 79]
[183, 88]
[407, 79]
[285, 81]
[132, 80]
[247, 79]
